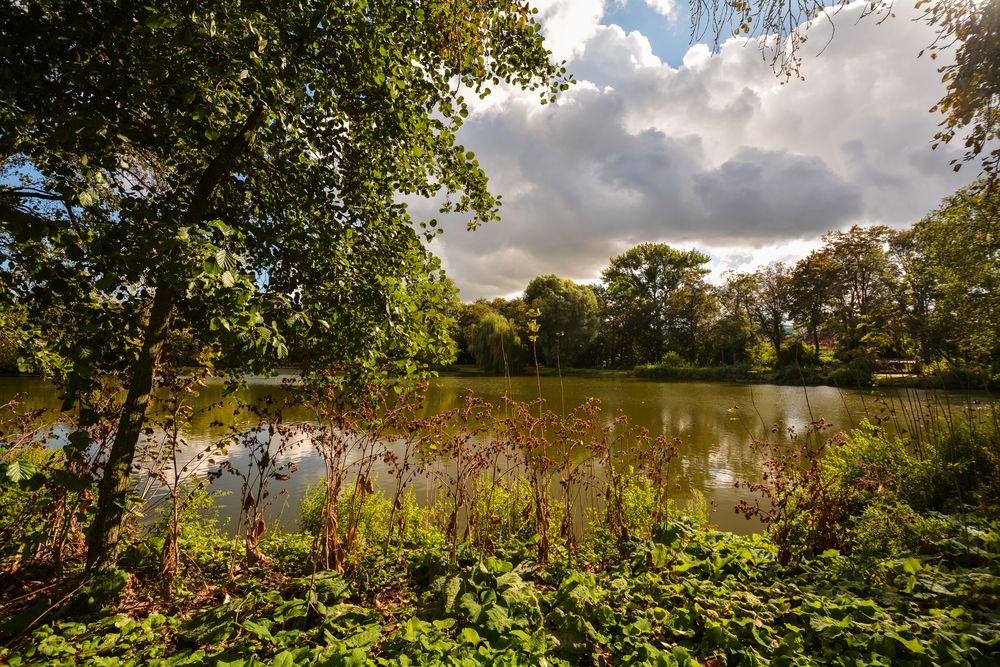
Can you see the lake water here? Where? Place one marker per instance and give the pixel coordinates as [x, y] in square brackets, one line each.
[714, 421]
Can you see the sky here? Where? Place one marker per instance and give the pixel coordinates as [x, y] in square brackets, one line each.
[660, 140]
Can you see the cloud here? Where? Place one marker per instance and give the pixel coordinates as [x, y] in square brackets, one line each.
[568, 24]
[667, 8]
[716, 153]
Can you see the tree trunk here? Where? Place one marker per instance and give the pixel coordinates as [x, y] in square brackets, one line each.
[103, 537]
[102, 542]
[776, 336]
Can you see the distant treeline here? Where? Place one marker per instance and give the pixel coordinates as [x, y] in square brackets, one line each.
[924, 300]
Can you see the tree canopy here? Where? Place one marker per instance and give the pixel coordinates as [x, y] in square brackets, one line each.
[569, 317]
[952, 281]
[639, 285]
[495, 345]
[236, 171]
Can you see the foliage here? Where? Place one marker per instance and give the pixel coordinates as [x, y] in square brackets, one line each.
[46, 492]
[669, 371]
[10, 343]
[639, 283]
[953, 274]
[481, 573]
[466, 317]
[375, 511]
[687, 597]
[869, 492]
[914, 307]
[770, 303]
[972, 81]
[569, 318]
[236, 173]
[495, 345]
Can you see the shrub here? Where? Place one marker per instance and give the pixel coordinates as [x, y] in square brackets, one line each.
[370, 514]
[672, 359]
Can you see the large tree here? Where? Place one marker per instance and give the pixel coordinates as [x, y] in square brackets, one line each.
[691, 308]
[495, 345]
[639, 284]
[811, 289]
[770, 303]
[952, 259]
[569, 319]
[731, 335]
[235, 170]
[864, 296]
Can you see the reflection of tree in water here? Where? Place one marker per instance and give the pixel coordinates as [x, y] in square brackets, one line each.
[715, 422]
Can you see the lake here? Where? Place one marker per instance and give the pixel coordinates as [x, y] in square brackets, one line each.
[714, 421]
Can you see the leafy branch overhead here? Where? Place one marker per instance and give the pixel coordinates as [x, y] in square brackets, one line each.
[232, 175]
[252, 159]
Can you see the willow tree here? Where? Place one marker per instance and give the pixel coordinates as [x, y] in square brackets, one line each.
[495, 345]
[236, 170]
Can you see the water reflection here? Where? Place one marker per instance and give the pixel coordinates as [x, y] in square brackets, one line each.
[715, 423]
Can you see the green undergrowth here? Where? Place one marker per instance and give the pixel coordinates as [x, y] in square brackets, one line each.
[689, 596]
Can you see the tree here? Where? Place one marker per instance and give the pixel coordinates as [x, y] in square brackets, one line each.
[638, 284]
[971, 103]
[569, 319]
[953, 280]
[10, 345]
[467, 316]
[495, 345]
[731, 334]
[864, 289]
[810, 289]
[691, 308]
[236, 171]
[516, 312]
[770, 303]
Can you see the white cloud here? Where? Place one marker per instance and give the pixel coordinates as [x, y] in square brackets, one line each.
[568, 24]
[716, 153]
[667, 8]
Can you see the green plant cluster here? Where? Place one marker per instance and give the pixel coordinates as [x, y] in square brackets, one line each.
[874, 494]
[687, 372]
[690, 596]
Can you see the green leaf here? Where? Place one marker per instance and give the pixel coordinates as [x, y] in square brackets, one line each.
[911, 644]
[451, 588]
[20, 470]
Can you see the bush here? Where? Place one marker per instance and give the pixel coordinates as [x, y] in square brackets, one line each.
[870, 494]
[873, 465]
[796, 354]
[371, 515]
[672, 359]
[206, 551]
[500, 514]
[884, 528]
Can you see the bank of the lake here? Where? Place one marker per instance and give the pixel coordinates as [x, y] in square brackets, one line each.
[833, 376]
[683, 596]
[884, 550]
